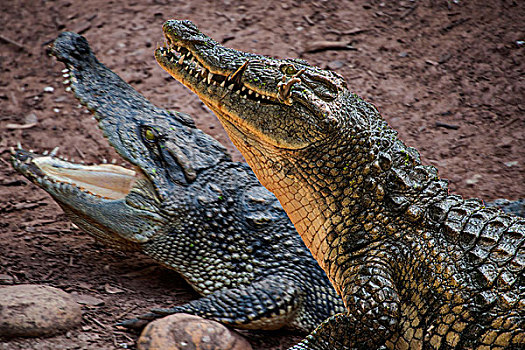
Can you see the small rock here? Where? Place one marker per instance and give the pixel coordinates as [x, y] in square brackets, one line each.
[183, 331]
[334, 65]
[31, 118]
[33, 310]
[473, 180]
[85, 299]
[6, 279]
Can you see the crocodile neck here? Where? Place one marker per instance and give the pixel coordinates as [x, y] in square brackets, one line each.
[350, 191]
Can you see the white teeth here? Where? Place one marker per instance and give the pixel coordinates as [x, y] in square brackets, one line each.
[45, 153]
[243, 88]
[104, 160]
[113, 161]
[181, 60]
[19, 145]
[243, 96]
[172, 59]
[210, 76]
[223, 83]
[192, 59]
[65, 82]
[65, 75]
[65, 70]
[68, 88]
[197, 75]
[238, 92]
[250, 92]
[257, 95]
[12, 150]
[54, 151]
[230, 86]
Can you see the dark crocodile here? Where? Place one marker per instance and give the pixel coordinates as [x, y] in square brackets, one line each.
[185, 204]
[416, 267]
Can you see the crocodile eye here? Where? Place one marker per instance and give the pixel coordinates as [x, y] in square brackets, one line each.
[149, 135]
[288, 69]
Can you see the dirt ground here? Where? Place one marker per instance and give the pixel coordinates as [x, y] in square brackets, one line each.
[448, 75]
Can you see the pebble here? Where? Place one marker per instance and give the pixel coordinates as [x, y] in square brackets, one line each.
[29, 310]
[183, 331]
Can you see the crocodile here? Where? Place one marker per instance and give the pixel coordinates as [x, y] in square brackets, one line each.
[416, 267]
[185, 204]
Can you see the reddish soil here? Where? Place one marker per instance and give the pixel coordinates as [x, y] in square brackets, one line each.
[448, 75]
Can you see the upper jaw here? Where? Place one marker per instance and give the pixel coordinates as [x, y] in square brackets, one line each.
[204, 65]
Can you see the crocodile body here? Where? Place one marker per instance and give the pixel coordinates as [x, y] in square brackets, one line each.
[416, 267]
[186, 205]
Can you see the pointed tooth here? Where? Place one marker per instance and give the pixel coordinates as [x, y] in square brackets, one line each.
[238, 92]
[197, 75]
[243, 96]
[230, 86]
[12, 150]
[243, 88]
[113, 161]
[65, 82]
[45, 153]
[65, 70]
[19, 145]
[104, 161]
[257, 95]
[54, 151]
[250, 92]
[181, 61]
[65, 75]
[210, 77]
[223, 83]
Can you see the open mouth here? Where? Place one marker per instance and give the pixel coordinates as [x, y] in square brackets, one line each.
[187, 67]
[106, 181]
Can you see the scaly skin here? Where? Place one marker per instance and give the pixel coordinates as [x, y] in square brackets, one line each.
[416, 267]
[186, 205]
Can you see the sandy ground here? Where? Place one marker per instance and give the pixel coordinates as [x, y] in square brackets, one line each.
[448, 75]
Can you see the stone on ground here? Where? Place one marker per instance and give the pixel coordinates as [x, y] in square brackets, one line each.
[183, 331]
[29, 310]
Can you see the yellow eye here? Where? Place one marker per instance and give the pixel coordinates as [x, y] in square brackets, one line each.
[149, 134]
[289, 70]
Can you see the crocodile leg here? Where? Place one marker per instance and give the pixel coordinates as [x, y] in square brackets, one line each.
[250, 307]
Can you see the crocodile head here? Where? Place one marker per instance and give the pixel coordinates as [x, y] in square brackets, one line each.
[121, 206]
[297, 100]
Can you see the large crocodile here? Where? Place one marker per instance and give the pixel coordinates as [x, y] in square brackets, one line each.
[416, 267]
[185, 204]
